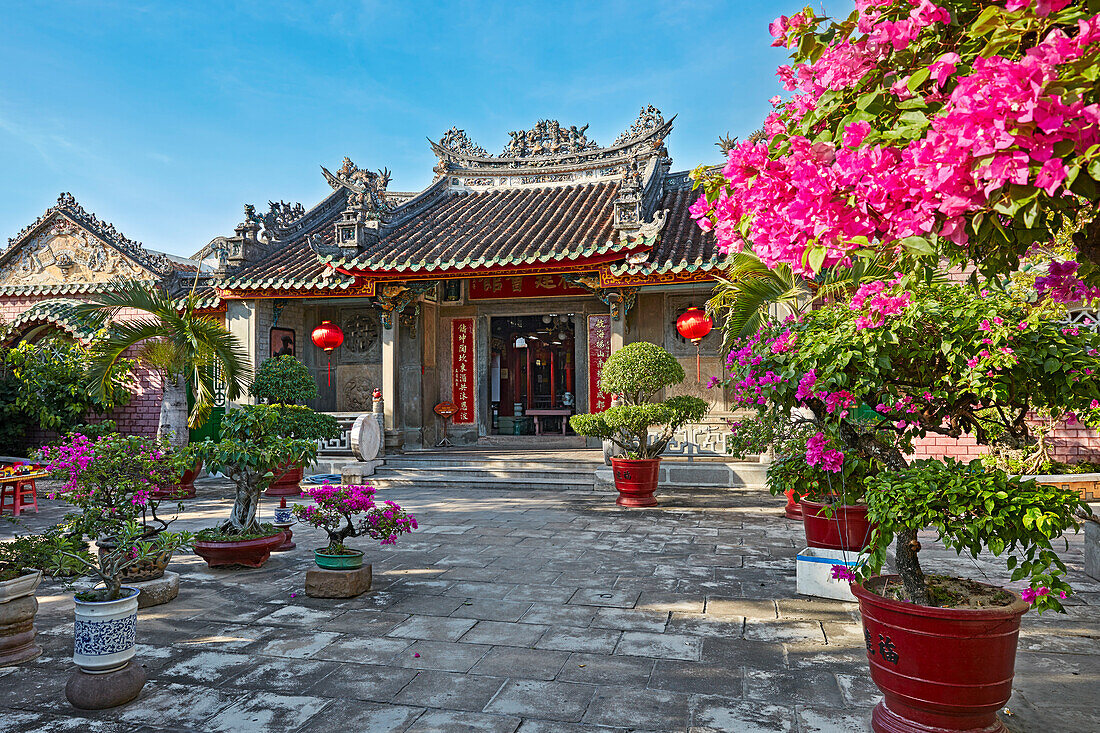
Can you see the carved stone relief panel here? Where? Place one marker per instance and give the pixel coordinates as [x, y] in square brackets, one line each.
[356, 382]
[66, 253]
[362, 342]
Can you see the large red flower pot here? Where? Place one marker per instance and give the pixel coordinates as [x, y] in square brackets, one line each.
[636, 480]
[287, 483]
[793, 510]
[185, 489]
[847, 529]
[939, 669]
[250, 553]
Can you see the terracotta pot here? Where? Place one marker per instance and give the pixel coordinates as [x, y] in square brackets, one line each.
[636, 480]
[250, 553]
[185, 489]
[793, 510]
[939, 669]
[847, 529]
[286, 484]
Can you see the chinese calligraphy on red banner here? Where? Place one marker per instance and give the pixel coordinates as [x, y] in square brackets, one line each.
[599, 348]
[462, 368]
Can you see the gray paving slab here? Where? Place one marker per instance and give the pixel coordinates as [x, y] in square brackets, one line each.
[531, 610]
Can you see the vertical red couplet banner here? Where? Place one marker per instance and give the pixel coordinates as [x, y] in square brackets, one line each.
[599, 348]
[462, 368]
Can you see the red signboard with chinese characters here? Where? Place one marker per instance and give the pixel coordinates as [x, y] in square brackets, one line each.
[599, 348]
[522, 286]
[462, 368]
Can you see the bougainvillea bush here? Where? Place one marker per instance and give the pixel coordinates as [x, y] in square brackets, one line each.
[869, 376]
[963, 131]
[351, 511]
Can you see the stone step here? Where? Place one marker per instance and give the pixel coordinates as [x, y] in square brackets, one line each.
[384, 480]
[396, 462]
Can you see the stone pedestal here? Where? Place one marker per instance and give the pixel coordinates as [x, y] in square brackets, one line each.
[337, 583]
[355, 473]
[99, 691]
[17, 631]
[288, 545]
[156, 592]
[1092, 550]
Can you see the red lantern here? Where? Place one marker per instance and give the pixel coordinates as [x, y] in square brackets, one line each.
[693, 324]
[327, 336]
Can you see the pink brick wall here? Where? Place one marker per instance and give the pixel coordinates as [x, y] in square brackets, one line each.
[142, 414]
[1070, 443]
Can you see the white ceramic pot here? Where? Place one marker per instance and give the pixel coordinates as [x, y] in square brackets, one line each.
[24, 585]
[105, 633]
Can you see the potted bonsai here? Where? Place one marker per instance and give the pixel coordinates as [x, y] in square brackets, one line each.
[115, 478]
[833, 513]
[250, 451]
[892, 365]
[286, 382]
[638, 372]
[351, 511]
[106, 616]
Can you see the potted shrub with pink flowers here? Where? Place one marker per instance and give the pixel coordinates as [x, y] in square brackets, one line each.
[930, 135]
[346, 511]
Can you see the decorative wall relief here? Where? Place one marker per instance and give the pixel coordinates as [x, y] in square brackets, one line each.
[357, 393]
[361, 337]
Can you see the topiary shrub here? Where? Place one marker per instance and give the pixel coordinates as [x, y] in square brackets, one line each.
[283, 380]
[298, 421]
[637, 372]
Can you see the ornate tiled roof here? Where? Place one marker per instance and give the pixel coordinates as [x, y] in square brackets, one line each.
[105, 231]
[683, 246]
[511, 226]
[58, 312]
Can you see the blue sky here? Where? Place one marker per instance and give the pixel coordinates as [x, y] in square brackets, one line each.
[166, 117]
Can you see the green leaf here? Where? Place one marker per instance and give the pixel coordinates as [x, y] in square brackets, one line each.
[918, 246]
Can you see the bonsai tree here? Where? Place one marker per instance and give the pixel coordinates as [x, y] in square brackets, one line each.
[637, 372]
[350, 511]
[185, 346]
[112, 479]
[870, 376]
[132, 547]
[250, 450]
[283, 380]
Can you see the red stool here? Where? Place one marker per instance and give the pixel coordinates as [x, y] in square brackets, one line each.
[19, 496]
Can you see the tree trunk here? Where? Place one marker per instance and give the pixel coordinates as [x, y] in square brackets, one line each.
[173, 411]
[912, 577]
[245, 504]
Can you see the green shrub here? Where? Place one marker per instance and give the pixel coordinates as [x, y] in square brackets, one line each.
[36, 551]
[637, 372]
[298, 421]
[283, 380]
[971, 509]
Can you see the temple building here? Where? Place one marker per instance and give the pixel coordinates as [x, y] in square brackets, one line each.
[500, 288]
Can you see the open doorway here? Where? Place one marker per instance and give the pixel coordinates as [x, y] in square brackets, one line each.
[532, 374]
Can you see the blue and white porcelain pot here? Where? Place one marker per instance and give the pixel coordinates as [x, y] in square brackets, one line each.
[284, 516]
[105, 633]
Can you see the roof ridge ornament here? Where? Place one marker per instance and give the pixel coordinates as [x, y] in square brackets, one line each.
[649, 119]
[547, 137]
[457, 140]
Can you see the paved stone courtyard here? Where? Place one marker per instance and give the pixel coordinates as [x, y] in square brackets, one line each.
[530, 611]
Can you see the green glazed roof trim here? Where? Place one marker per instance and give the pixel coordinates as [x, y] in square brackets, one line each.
[58, 312]
[696, 265]
[577, 252]
[59, 289]
[339, 281]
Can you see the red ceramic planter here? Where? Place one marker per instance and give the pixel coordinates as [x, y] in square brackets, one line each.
[941, 670]
[636, 480]
[185, 489]
[847, 529]
[793, 510]
[288, 483]
[250, 553]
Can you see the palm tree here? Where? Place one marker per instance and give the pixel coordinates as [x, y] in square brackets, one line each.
[189, 349]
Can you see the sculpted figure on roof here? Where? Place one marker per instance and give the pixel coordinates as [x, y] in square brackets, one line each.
[547, 137]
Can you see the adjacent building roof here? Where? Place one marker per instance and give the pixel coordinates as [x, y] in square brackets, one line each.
[57, 312]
